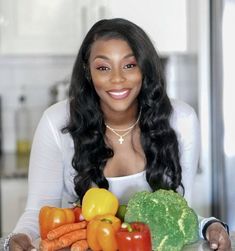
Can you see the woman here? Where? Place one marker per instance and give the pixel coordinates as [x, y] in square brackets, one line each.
[118, 130]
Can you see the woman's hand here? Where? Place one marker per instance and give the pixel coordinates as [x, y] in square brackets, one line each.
[20, 242]
[218, 237]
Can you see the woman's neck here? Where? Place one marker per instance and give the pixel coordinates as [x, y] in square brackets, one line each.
[121, 119]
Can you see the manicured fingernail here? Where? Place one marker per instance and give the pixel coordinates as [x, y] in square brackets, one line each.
[214, 246]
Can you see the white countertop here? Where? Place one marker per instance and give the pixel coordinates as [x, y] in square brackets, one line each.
[198, 246]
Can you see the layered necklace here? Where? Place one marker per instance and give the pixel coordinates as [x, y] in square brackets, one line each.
[125, 131]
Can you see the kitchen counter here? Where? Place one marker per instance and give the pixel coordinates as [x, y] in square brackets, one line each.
[199, 246]
[203, 245]
[13, 171]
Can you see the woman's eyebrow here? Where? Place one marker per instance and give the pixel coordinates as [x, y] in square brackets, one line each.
[129, 55]
[107, 58]
[101, 56]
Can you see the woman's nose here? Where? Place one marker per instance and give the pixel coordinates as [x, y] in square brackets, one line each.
[117, 76]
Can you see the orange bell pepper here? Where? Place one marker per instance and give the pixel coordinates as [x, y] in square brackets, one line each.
[52, 217]
[98, 201]
[101, 233]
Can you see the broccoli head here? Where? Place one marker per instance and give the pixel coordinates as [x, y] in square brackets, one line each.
[172, 222]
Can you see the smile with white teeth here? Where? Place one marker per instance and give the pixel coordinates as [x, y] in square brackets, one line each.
[118, 93]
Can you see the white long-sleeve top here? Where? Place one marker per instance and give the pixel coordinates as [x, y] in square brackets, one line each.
[50, 180]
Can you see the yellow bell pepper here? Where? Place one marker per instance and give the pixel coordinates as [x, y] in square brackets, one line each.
[101, 233]
[98, 201]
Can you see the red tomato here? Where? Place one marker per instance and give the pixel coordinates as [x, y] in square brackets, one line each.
[78, 213]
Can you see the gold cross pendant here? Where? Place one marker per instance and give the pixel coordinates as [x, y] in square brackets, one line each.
[120, 140]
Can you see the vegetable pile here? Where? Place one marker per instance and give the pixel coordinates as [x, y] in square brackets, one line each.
[160, 220]
[93, 225]
[172, 222]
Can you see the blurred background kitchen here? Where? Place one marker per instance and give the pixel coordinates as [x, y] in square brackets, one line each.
[39, 40]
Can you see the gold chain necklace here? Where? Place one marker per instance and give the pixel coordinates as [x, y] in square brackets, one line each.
[127, 130]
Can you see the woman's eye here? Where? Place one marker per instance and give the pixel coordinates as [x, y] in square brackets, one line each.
[128, 66]
[102, 68]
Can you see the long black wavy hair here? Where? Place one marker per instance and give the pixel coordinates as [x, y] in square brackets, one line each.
[86, 125]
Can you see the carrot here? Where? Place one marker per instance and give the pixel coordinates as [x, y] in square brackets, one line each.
[81, 245]
[68, 239]
[47, 245]
[64, 229]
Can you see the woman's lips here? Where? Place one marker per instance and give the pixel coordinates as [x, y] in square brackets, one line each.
[119, 94]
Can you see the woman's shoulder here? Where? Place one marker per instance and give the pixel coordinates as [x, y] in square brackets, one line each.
[182, 109]
[58, 113]
[60, 106]
[183, 115]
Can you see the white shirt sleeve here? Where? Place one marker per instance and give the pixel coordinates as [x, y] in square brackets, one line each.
[186, 125]
[45, 181]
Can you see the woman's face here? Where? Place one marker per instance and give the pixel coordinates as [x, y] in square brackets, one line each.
[115, 74]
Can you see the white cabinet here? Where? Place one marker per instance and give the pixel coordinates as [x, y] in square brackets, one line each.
[46, 27]
[13, 201]
[171, 24]
[58, 26]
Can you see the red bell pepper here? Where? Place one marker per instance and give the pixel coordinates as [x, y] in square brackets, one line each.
[134, 237]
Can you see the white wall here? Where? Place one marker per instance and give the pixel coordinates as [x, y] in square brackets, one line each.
[202, 185]
[228, 107]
